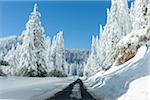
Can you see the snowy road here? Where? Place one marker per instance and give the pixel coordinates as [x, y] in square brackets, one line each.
[74, 91]
[31, 88]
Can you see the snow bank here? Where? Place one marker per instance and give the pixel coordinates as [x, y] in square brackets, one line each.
[31, 88]
[140, 54]
[138, 90]
[115, 82]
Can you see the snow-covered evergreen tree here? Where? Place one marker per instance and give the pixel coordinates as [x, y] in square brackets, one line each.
[60, 52]
[35, 25]
[53, 53]
[33, 47]
[139, 14]
[11, 56]
[92, 60]
[57, 54]
[27, 64]
[148, 13]
[49, 62]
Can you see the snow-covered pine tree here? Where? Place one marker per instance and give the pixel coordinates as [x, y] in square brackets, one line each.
[49, 63]
[58, 56]
[27, 64]
[124, 17]
[60, 52]
[92, 60]
[12, 58]
[53, 52]
[139, 14]
[148, 13]
[39, 43]
[33, 46]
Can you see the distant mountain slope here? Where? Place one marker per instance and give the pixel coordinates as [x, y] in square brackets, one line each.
[76, 60]
[6, 44]
[71, 56]
[76, 56]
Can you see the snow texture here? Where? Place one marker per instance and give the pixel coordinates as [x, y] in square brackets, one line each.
[31, 88]
[115, 82]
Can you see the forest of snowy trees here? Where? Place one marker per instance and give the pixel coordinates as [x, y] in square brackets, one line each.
[125, 31]
[34, 54]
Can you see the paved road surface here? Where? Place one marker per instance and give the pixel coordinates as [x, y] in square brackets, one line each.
[74, 91]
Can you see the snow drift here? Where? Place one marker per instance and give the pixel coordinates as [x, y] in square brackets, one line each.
[115, 82]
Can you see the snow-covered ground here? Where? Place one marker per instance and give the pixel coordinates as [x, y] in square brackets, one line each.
[138, 90]
[32, 88]
[126, 82]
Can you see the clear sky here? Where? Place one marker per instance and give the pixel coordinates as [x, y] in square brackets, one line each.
[79, 20]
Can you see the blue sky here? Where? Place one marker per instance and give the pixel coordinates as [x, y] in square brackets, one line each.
[78, 19]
